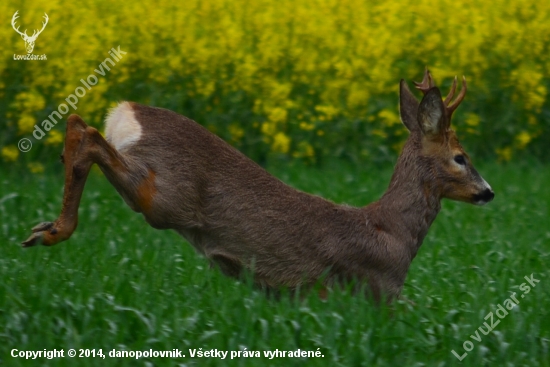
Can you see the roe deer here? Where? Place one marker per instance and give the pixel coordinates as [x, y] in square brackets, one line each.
[182, 177]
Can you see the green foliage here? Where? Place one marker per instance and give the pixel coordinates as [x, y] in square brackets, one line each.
[117, 283]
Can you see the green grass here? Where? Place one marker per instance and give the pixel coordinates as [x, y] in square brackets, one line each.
[119, 284]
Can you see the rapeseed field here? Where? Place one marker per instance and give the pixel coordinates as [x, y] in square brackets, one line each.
[303, 79]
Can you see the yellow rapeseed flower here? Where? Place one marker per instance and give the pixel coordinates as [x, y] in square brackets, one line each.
[54, 137]
[268, 129]
[10, 153]
[26, 124]
[304, 150]
[504, 154]
[35, 167]
[305, 126]
[281, 143]
[523, 139]
[472, 119]
[389, 117]
[328, 111]
[379, 132]
[277, 114]
[236, 132]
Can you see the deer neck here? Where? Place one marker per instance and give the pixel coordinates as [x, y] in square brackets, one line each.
[411, 202]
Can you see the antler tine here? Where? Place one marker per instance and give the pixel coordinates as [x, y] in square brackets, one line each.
[427, 82]
[451, 107]
[451, 93]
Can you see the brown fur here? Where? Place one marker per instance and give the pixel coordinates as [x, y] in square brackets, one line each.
[182, 177]
[146, 192]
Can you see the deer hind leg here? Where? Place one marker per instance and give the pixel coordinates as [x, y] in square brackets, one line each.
[85, 146]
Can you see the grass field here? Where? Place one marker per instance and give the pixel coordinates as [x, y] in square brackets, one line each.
[119, 284]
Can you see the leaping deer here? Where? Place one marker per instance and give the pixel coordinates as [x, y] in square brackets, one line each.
[29, 41]
[182, 177]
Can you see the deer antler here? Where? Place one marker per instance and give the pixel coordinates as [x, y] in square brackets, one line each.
[13, 19]
[451, 107]
[427, 82]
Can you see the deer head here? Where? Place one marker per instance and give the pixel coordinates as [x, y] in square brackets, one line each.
[435, 145]
[29, 40]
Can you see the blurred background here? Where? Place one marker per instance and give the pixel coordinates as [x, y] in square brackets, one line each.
[304, 80]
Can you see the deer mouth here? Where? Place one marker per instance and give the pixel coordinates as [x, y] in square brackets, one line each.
[483, 197]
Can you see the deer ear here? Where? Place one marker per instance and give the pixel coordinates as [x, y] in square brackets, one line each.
[431, 113]
[408, 107]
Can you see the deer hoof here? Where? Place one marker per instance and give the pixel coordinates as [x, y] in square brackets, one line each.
[44, 226]
[45, 233]
[35, 239]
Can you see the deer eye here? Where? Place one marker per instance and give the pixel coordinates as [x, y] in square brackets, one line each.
[460, 159]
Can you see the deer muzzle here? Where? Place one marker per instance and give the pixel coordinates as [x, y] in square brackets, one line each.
[485, 195]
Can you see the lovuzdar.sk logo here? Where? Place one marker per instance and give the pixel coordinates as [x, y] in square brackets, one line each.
[29, 40]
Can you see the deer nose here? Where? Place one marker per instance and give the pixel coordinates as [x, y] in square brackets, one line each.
[484, 197]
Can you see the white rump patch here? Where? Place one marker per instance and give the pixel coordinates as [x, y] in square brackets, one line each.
[121, 127]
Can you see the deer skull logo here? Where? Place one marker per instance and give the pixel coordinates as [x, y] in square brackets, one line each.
[29, 40]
